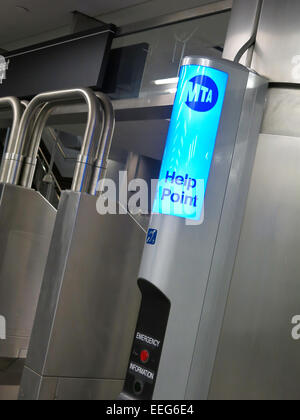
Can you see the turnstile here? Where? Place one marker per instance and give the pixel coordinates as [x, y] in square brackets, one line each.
[26, 225]
[188, 260]
[89, 299]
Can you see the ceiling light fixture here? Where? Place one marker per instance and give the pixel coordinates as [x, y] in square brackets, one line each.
[173, 90]
[170, 81]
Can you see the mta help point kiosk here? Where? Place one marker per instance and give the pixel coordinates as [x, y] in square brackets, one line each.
[191, 246]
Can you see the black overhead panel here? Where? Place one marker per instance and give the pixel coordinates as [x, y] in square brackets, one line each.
[78, 60]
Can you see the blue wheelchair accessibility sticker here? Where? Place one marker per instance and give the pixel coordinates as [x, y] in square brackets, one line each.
[151, 236]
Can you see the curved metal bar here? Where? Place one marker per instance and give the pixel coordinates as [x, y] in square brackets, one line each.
[30, 159]
[25, 103]
[105, 142]
[31, 154]
[10, 158]
[84, 163]
[33, 146]
[103, 149]
[29, 166]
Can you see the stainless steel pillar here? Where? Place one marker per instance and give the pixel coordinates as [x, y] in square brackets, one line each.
[257, 356]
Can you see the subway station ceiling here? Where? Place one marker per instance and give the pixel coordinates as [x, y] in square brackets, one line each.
[26, 18]
[27, 22]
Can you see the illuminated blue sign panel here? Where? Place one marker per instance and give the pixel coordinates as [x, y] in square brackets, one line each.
[191, 142]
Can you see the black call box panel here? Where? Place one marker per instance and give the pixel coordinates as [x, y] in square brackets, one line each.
[148, 343]
[77, 60]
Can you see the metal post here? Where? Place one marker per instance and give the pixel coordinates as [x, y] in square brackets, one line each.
[84, 163]
[11, 158]
[105, 143]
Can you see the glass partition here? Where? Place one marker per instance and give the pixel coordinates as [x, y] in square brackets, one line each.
[166, 46]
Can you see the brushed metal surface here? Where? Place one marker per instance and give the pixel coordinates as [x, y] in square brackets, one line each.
[9, 393]
[228, 233]
[16, 107]
[45, 389]
[257, 357]
[282, 112]
[204, 267]
[241, 27]
[26, 224]
[89, 300]
[277, 52]
[65, 389]
[88, 389]
[89, 145]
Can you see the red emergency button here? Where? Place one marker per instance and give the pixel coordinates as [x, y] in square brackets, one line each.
[144, 356]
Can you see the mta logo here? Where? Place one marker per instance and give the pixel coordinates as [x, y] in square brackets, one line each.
[202, 94]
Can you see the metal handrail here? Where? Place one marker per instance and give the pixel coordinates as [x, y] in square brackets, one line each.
[16, 106]
[43, 158]
[33, 144]
[100, 157]
[84, 163]
[103, 150]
